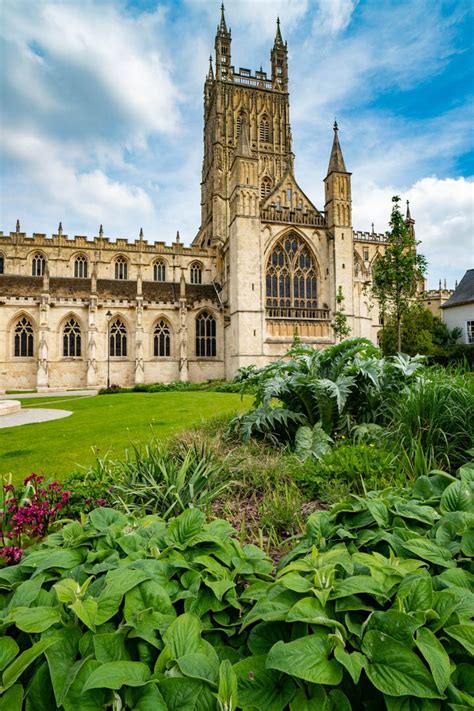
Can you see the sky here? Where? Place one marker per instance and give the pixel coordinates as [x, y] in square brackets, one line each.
[102, 115]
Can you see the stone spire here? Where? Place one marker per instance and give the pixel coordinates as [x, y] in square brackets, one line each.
[336, 161]
[17, 227]
[409, 221]
[210, 74]
[60, 229]
[408, 215]
[243, 144]
[101, 231]
[222, 27]
[278, 38]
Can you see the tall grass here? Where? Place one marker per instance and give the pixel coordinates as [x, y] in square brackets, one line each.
[435, 415]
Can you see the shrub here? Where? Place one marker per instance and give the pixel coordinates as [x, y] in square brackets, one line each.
[369, 611]
[89, 489]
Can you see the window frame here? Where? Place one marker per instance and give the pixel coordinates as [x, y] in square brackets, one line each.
[162, 330]
[121, 268]
[205, 341]
[81, 259]
[291, 279]
[159, 263]
[28, 328]
[38, 257]
[469, 332]
[114, 334]
[195, 268]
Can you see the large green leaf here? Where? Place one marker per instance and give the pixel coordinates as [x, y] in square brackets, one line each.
[227, 691]
[200, 666]
[430, 550]
[184, 694]
[185, 527]
[146, 698]
[102, 518]
[110, 647]
[183, 636]
[114, 675]
[35, 619]
[354, 662]
[76, 698]
[436, 656]
[457, 497]
[464, 634]
[263, 636]
[86, 610]
[396, 624]
[260, 687]
[23, 661]
[395, 670]
[61, 657]
[318, 701]
[306, 658]
[12, 700]
[8, 651]
[409, 703]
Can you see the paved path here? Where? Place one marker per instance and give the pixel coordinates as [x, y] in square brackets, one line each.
[51, 393]
[29, 416]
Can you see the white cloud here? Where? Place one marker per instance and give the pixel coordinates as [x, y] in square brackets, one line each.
[333, 16]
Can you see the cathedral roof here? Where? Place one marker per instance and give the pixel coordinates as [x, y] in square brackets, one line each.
[336, 161]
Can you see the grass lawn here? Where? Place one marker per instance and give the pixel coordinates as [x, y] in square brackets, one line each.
[107, 423]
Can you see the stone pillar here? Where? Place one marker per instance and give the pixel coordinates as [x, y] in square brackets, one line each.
[183, 330]
[92, 375]
[42, 375]
[139, 359]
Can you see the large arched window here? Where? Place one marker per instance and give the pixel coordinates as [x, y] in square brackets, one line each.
[23, 342]
[2, 264]
[118, 339]
[72, 339]
[121, 268]
[162, 340]
[196, 273]
[38, 264]
[265, 188]
[159, 270]
[264, 129]
[291, 279]
[206, 340]
[80, 267]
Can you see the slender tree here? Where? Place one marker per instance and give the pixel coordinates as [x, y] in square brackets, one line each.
[398, 272]
[340, 326]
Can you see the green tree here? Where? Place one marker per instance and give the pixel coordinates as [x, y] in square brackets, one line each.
[340, 326]
[421, 332]
[398, 272]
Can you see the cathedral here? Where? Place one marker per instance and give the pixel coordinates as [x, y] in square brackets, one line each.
[266, 263]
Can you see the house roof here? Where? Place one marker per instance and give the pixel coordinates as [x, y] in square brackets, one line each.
[464, 293]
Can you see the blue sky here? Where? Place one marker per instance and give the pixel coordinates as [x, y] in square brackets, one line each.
[102, 111]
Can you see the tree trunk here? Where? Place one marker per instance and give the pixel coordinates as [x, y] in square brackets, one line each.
[399, 333]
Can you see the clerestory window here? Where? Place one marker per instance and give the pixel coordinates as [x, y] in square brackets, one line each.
[121, 268]
[38, 265]
[196, 273]
[80, 267]
[159, 271]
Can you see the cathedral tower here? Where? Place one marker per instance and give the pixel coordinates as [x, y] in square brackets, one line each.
[231, 97]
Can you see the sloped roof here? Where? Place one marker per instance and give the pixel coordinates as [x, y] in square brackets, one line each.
[464, 293]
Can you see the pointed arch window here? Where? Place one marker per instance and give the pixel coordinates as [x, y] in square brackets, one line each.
[265, 188]
[291, 280]
[80, 267]
[264, 129]
[38, 265]
[206, 338]
[159, 270]
[239, 122]
[118, 339]
[196, 273]
[121, 268]
[72, 339]
[23, 340]
[162, 340]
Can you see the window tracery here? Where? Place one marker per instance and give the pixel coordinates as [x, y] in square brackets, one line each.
[265, 188]
[72, 339]
[162, 340]
[264, 129]
[159, 270]
[23, 340]
[291, 279]
[38, 265]
[118, 339]
[121, 268]
[80, 267]
[196, 273]
[206, 338]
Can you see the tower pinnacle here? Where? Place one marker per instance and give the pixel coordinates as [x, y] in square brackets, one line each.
[278, 37]
[336, 161]
[222, 27]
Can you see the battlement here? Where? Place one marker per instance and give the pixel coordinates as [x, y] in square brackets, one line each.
[244, 77]
[380, 237]
[38, 239]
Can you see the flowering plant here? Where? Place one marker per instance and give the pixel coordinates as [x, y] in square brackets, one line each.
[26, 513]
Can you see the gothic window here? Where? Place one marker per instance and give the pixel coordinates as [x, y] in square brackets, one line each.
[265, 188]
[80, 267]
[264, 130]
[72, 339]
[159, 271]
[196, 273]
[206, 340]
[23, 343]
[162, 340]
[37, 265]
[291, 282]
[239, 122]
[121, 268]
[118, 339]
[2, 264]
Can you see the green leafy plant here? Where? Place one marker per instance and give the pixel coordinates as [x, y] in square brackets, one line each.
[370, 610]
